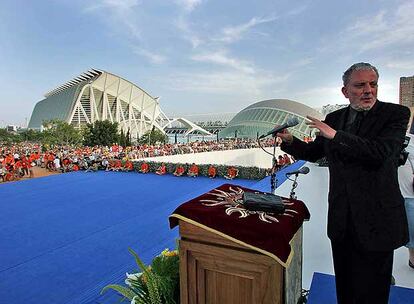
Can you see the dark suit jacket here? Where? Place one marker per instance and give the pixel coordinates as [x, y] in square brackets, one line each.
[364, 196]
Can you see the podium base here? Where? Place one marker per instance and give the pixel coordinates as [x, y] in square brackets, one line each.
[215, 270]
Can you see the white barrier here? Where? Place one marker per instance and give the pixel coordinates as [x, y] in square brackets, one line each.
[242, 157]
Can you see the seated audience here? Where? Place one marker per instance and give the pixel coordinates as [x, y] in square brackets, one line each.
[66, 165]
[144, 168]
[231, 173]
[105, 164]
[193, 171]
[161, 169]
[3, 172]
[179, 170]
[115, 165]
[280, 162]
[129, 166]
[18, 168]
[286, 159]
[212, 172]
[93, 167]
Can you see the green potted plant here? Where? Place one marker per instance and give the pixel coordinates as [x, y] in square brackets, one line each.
[157, 283]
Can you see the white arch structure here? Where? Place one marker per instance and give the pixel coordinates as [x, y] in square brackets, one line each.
[190, 126]
[99, 95]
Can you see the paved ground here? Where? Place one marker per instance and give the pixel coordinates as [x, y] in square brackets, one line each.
[38, 172]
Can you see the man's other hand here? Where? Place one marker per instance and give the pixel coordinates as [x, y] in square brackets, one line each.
[324, 130]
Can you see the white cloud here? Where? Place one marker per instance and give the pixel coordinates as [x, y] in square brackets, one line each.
[222, 91]
[320, 96]
[151, 56]
[369, 25]
[298, 10]
[188, 33]
[221, 58]
[384, 29]
[302, 62]
[401, 64]
[112, 4]
[119, 12]
[235, 33]
[188, 5]
[229, 83]
[122, 17]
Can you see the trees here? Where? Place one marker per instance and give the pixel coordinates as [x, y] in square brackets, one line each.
[103, 133]
[8, 137]
[153, 136]
[58, 132]
[125, 139]
[31, 135]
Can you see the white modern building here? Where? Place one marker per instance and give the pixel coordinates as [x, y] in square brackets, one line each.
[100, 95]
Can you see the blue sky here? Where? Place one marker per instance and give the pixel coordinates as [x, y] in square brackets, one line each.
[202, 56]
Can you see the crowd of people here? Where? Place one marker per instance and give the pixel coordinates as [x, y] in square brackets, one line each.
[17, 161]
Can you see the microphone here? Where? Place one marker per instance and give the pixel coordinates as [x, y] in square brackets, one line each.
[291, 122]
[303, 170]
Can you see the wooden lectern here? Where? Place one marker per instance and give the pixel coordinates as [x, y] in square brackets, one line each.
[216, 270]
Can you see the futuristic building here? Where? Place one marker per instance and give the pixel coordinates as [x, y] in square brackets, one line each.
[184, 127]
[260, 117]
[99, 95]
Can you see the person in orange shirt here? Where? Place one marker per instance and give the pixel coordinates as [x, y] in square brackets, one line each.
[25, 165]
[212, 172]
[28, 165]
[193, 171]
[231, 173]
[49, 162]
[280, 162]
[9, 177]
[129, 166]
[9, 162]
[144, 168]
[18, 169]
[286, 159]
[161, 169]
[115, 165]
[66, 164]
[33, 158]
[179, 171]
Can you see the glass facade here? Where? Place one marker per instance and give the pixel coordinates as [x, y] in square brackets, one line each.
[57, 106]
[261, 117]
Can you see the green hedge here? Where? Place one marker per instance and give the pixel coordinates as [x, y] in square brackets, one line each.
[244, 172]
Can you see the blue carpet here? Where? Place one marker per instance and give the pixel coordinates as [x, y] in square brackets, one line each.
[264, 184]
[322, 291]
[64, 237]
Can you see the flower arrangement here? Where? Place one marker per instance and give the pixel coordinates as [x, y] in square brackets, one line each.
[157, 283]
[244, 172]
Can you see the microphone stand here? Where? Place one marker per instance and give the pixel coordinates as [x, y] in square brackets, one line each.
[292, 194]
[273, 179]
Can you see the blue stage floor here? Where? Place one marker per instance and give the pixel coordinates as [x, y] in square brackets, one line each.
[323, 291]
[64, 237]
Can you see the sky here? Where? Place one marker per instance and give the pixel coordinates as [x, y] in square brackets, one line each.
[202, 56]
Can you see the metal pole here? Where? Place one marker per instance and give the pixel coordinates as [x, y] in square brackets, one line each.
[273, 179]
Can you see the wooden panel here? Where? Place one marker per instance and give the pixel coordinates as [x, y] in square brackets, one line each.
[217, 275]
[227, 288]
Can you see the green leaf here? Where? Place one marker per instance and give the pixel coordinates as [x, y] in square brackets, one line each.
[152, 279]
[126, 292]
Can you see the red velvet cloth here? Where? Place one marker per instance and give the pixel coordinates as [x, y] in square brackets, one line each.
[220, 210]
